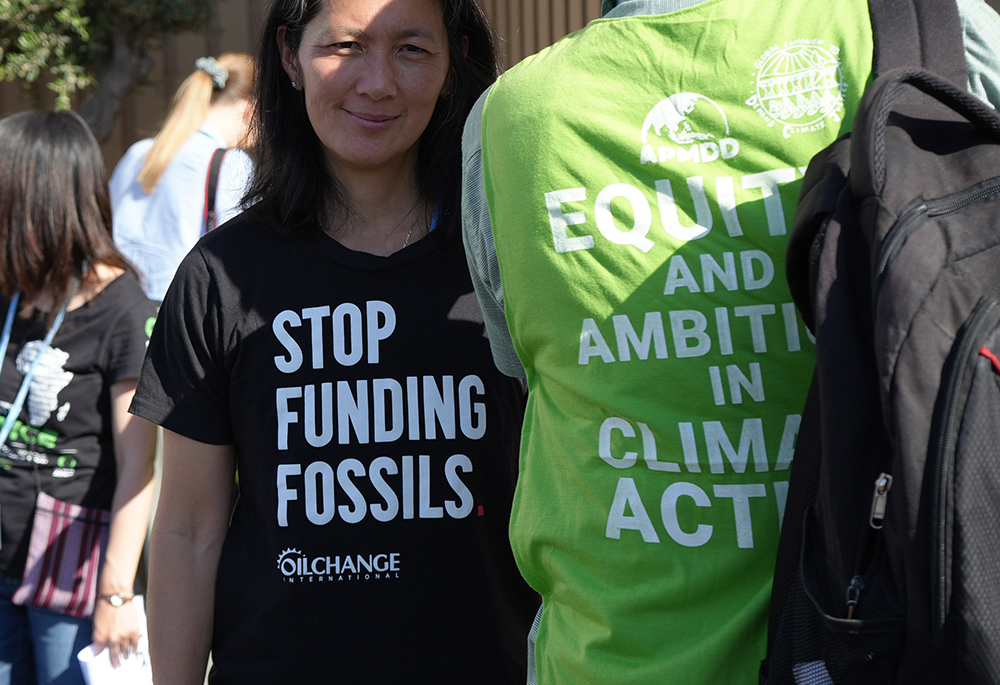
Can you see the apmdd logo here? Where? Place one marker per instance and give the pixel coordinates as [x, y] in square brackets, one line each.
[297, 567]
[697, 127]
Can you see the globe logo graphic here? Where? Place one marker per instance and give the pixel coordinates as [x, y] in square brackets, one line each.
[801, 85]
[687, 117]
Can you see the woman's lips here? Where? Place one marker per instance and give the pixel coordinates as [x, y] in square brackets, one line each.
[372, 122]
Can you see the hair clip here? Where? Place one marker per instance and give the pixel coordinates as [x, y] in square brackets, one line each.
[211, 67]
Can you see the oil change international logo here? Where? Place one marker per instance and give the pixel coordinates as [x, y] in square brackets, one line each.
[296, 566]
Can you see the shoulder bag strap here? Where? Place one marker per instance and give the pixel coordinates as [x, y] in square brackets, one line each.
[211, 186]
[919, 33]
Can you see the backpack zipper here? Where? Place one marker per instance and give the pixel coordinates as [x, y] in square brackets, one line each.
[853, 594]
[966, 347]
[867, 547]
[907, 220]
[887, 249]
[882, 486]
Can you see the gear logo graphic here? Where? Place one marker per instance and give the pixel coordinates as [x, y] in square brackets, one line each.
[288, 561]
[799, 85]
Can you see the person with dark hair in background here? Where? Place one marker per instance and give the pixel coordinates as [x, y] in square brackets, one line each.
[72, 347]
[327, 346]
[158, 188]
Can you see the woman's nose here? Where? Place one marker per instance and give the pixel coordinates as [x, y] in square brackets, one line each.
[378, 76]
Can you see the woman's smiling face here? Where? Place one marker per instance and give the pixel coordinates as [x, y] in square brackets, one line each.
[372, 72]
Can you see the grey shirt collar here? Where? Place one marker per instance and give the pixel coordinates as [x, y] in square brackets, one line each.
[632, 8]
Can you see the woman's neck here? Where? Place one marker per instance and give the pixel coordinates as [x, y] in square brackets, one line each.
[100, 276]
[385, 213]
[230, 120]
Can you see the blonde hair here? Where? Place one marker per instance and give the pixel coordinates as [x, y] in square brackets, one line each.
[189, 109]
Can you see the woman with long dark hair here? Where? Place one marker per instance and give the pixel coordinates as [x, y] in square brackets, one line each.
[328, 347]
[71, 350]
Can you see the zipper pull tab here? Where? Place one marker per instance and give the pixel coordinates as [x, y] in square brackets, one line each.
[853, 593]
[882, 485]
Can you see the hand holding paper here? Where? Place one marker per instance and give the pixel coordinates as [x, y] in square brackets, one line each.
[133, 668]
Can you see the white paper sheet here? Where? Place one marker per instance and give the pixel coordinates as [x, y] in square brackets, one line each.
[134, 670]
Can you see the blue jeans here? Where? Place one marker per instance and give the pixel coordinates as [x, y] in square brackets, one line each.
[39, 646]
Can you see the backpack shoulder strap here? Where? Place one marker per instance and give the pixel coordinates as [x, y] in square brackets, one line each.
[919, 33]
[211, 186]
[908, 33]
[805, 475]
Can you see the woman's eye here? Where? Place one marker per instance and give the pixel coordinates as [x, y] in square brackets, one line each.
[413, 50]
[345, 45]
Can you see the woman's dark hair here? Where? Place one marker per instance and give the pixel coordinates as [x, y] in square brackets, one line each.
[55, 214]
[291, 189]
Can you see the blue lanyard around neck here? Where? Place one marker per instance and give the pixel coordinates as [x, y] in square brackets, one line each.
[22, 393]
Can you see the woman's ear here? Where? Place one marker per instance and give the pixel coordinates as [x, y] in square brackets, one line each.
[289, 59]
[448, 81]
[465, 46]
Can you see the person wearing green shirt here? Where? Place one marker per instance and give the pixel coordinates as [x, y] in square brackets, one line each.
[628, 195]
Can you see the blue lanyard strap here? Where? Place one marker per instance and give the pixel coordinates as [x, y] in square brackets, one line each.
[22, 393]
[7, 325]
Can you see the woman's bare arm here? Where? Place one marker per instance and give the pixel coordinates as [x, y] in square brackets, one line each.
[191, 521]
[135, 446]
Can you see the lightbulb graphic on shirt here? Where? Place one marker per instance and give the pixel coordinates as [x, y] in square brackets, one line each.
[50, 378]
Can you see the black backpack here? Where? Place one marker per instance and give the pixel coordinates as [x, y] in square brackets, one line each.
[888, 567]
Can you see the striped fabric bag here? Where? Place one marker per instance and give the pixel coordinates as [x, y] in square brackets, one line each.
[64, 557]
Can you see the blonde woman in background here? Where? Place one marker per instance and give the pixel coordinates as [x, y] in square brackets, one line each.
[158, 189]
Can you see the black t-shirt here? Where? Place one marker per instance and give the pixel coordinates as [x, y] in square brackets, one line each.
[377, 456]
[62, 441]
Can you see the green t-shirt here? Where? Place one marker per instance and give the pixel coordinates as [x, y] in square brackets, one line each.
[641, 176]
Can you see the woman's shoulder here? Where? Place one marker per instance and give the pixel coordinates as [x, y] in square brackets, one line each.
[243, 246]
[236, 261]
[235, 171]
[128, 166]
[94, 283]
[243, 232]
[189, 164]
[118, 288]
[237, 158]
[138, 149]
[135, 154]
[114, 305]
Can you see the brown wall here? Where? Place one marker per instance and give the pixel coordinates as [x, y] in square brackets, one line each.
[527, 26]
[524, 26]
